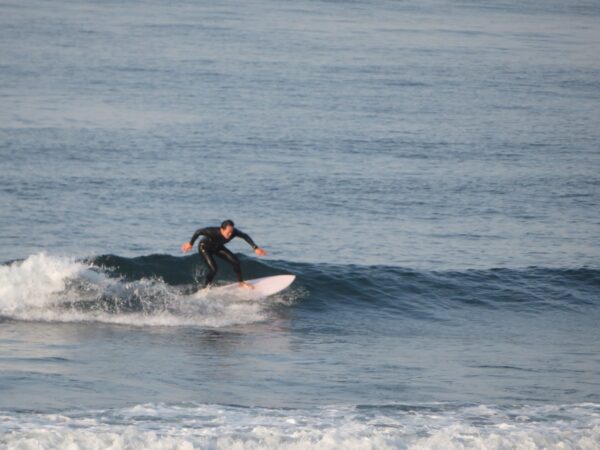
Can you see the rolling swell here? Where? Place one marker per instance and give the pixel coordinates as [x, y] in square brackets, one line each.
[429, 294]
[154, 289]
[393, 288]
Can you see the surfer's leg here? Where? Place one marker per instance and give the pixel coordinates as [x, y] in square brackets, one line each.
[210, 262]
[231, 259]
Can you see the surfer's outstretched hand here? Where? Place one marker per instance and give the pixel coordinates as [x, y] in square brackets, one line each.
[260, 251]
[186, 247]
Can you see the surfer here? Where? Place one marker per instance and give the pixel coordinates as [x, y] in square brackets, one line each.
[213, 244]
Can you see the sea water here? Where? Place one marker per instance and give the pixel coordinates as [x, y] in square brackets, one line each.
[429, 170]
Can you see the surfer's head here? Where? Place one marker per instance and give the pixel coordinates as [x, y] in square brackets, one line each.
[227, 228]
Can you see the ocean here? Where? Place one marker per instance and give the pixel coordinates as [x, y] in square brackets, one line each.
[429, 171]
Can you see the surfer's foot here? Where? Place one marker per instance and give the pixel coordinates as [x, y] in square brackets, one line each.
[245, 285]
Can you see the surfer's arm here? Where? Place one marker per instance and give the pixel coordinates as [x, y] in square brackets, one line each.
[247, 238]
[259, 251]
[199, 232]
[187, 246]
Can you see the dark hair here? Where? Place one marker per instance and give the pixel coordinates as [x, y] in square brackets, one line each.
[227, 223]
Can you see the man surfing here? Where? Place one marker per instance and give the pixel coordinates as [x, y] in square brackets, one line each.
[213, 244]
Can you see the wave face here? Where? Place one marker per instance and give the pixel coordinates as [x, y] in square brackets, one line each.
[225, 427]
[155, 290]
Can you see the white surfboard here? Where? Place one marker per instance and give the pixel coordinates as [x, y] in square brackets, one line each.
[263, 287]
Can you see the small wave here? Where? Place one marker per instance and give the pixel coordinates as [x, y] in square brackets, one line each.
[155, 290]
[420, 293]
[60, 289]
[224, 427]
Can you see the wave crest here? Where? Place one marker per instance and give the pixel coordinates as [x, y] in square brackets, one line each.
[156, 289]
[61, 289]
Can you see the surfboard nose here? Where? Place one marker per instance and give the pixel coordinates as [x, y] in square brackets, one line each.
[262, 287]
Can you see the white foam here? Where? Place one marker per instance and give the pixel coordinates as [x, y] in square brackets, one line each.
[34, 282]
[60, 289]
[158, 426]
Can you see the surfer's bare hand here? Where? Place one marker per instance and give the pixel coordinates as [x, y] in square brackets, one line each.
[186, 247]
[260, 252]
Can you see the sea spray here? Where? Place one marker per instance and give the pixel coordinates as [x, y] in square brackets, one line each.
[59, 289]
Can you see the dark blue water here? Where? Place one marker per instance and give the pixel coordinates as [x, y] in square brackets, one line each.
[427, 170]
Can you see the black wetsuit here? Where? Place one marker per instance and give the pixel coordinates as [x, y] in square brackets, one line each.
[214, 244]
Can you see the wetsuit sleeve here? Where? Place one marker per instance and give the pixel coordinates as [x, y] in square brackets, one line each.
[199, 232]
[247, 238]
